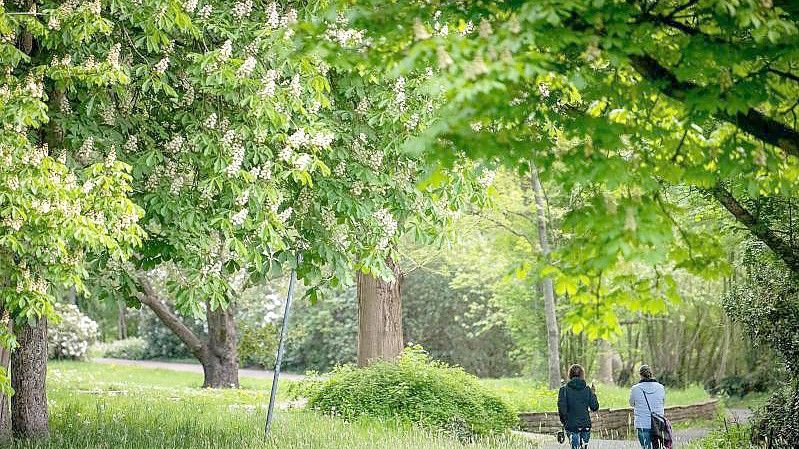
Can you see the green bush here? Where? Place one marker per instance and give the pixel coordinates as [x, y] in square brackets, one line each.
[732, 437]
[775, 424]
[414, 389]
[133, 348]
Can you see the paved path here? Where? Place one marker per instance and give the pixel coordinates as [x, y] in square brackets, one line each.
[195, 368]
[681, 436]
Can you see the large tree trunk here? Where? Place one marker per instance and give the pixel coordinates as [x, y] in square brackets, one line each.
[28, 372]
[5, 364]
[221, 365]
[553, 333]
[218, 356]
[605, 373]
[379, 317]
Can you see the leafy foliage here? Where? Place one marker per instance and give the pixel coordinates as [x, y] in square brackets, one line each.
[457, 325]
[414, 389]
[776, 423]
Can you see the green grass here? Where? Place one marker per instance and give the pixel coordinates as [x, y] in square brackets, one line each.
[531, 396]
[751, 401]
[94, 406]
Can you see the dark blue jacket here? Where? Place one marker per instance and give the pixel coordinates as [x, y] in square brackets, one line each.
[574, 400]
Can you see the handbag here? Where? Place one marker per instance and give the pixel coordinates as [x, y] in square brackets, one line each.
[662, 437]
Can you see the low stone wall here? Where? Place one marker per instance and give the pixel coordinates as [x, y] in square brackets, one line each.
[616, 423]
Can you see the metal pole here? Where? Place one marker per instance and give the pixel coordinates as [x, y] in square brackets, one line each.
[281, 344]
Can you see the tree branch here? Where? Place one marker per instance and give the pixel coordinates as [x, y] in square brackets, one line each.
[150, 298]
[758, 228]
[753, 122]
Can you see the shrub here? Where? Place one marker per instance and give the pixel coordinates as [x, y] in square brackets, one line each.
[70, 337]
[133, 348]
[732, 437]
[414, 389]
[777, 423]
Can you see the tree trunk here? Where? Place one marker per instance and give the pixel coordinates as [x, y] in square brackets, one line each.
[379, 317]
[28, 372]
[553, 333]
[5, 364]
[605, 373]
[122, 320]
[218, 356]
[221, 365]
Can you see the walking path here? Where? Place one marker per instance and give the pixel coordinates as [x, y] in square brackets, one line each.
[195, 368]
[681, 436]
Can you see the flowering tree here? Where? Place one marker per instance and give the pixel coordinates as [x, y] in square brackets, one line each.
[247, 149]
[56, 211]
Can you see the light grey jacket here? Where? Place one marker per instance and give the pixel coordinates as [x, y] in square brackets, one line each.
[655, 393]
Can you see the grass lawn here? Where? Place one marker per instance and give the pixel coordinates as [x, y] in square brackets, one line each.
[94, 406]
[531, 396]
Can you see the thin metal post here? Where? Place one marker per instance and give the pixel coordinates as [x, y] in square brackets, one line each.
[281, 344]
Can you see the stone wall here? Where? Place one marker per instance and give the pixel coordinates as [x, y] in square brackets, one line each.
[616, 423]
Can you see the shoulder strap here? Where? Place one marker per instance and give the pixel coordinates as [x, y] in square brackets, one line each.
[647, 400]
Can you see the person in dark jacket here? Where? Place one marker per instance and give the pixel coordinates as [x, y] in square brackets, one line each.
[575, 399]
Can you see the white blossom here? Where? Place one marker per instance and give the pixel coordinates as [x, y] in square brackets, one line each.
[238, 218]
[162, 65]
[286, 154]
[53, 23]
[113, 56]
[268, 81]
[322, 140]
[243, 198]
[295, 87]
[190, 5]
[273, 17]
[242, 9]
[302, 161]
[132, 143]
[237, 159]
[399, 93]
[205, 12]
[226, 51]
[486, 178]
[210, 122]
[246, 68]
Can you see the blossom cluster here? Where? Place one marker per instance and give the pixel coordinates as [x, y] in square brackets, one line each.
[70, 337]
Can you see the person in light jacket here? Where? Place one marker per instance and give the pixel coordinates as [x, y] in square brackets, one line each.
[575, 399]
[646, 396]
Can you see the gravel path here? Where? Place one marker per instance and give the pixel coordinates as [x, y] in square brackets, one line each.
[195, 368]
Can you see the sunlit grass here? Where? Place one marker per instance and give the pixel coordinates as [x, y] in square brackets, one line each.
[94, 406]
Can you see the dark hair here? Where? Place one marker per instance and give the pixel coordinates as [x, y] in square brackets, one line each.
[645, 371]
[576, 371]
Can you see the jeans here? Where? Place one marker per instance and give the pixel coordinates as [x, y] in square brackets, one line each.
[645, 438]
[580, 439]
